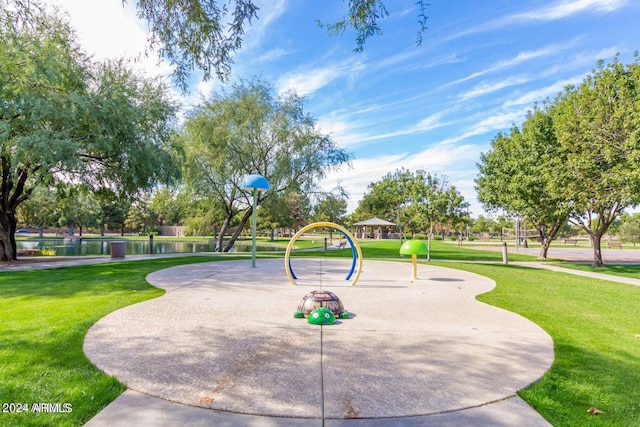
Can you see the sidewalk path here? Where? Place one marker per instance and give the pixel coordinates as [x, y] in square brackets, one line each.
[44, 262]
[601, 276]
[585, 254]
[221, 347]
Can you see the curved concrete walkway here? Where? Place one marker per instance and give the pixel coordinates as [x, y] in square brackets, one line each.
[221, 347]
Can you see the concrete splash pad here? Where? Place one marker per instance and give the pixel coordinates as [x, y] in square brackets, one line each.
[223, 337]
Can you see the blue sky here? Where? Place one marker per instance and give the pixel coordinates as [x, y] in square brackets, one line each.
[481, 66]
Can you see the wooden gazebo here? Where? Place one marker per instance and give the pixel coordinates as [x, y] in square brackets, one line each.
[375, 228]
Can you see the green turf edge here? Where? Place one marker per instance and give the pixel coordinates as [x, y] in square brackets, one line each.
[44, 318]
[595, 326]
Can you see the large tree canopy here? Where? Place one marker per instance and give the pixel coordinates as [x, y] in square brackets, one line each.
[598, 128]
[579, 159]
[249, 131]
[204, 34]
[418, 201]
[64, 118]
[516, 175]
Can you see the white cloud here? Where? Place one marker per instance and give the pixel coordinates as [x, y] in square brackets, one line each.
[343, 132]
[441, 159]
[490, 87]
[565, 9]
[109, 30]
[520, 58]
[272, 55]
[494, 122]
[95, 23]
[307, 79]
[268, 12]
[560, 10]
[541, 94]
[352, 133]
[306, 82]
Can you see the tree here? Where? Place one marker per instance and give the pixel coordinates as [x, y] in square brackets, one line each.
[196, 212]
[437, 204]
[517, 175]
[64, 118]
[299, 208]
[330, 208]
[204, 34]
[417, 200]
[386, 198]
[579, 158]
[140, 216]
[363, 17]
[112, 216]
[76, 207]
[483, 225]
[598, 128]
[630, 228]
[39, 210]
[168, 205]
[284, 210]
[249, 131]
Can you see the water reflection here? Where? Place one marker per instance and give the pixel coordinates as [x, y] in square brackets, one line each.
[132, 247]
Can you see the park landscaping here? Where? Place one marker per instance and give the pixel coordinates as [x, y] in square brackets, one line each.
[594, 325]
[596, 333]
[45, 316]
[625, 270]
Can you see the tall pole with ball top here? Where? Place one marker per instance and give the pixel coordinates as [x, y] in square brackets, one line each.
[254, 183]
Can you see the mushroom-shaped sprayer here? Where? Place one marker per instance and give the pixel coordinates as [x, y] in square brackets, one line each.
[413, 248]
[254, 183]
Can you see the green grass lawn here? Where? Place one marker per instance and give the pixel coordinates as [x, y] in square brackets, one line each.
[626, 270]
[595, 326]
[390, 249]
[44, 317]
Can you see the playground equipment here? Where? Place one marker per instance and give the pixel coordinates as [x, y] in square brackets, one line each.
[254, 183]
[321, 299]
[356, 265]
[321, 316]
[414, 248]
[322, 307]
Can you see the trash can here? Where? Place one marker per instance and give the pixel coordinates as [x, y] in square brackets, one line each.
[117, 249]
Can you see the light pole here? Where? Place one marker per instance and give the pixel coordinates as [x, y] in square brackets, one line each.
[254, 183]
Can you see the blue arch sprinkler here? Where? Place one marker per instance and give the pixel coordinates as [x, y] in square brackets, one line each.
[254, 183]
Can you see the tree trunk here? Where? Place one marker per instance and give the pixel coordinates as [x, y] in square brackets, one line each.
[547, 238]
[597, 250]
[8, 224]
[223, 231]
[243, 222]
[544, 248]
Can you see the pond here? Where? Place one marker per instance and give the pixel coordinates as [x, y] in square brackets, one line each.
[133, 247]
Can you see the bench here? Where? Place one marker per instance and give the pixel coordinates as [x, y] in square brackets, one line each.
[571, 241]
[614, 245]
[342, 244]
[28, 252]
